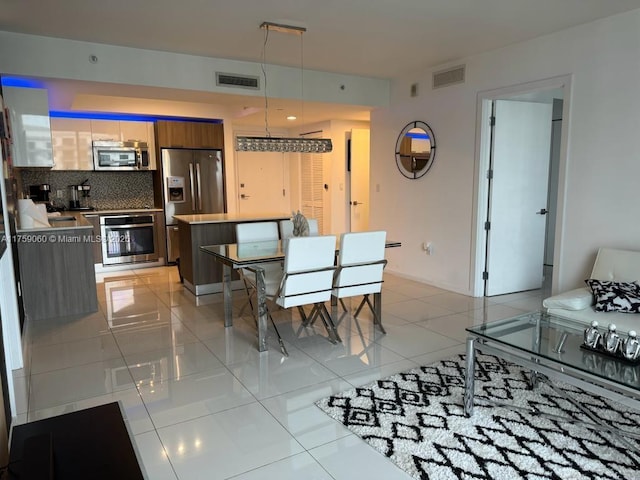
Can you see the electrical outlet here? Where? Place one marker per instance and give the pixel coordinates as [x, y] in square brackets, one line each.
[59, 193]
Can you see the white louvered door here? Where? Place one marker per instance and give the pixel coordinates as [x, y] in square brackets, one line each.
[311, 187]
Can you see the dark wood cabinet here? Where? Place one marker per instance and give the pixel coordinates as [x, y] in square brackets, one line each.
[189, 134]
[207, 135]
[94, 219]
[173, 134]
[58, 275]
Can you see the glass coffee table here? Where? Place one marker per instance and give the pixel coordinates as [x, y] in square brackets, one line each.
[549, 346]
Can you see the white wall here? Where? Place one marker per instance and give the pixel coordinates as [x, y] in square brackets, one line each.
[30, 55]
[600, 182]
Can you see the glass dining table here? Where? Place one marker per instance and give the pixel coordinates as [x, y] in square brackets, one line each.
[253, 256]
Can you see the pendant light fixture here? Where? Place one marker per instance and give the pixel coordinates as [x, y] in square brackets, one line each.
[280, 144]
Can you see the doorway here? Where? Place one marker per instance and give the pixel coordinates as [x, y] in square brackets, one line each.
[261, 182]
[359, 180]
[515, 188]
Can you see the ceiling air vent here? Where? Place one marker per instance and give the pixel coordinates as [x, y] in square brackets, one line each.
[447, 77]
[239, 81]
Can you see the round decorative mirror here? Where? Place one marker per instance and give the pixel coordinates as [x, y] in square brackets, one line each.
[415, 150]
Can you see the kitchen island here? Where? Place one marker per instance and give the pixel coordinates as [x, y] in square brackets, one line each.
[202, 274]
[56, 268]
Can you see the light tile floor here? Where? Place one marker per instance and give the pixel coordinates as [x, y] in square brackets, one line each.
[202, 402]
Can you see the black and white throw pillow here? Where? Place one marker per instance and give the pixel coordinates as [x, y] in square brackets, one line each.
[615, 296]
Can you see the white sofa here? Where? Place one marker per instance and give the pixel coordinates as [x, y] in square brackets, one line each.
[613, 265]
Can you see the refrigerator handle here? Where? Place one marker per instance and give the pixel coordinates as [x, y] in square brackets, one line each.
[193, 191]
[198, 177]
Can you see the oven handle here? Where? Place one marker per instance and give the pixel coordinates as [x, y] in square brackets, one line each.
[128, 227]
[193, 192]
[128, 215]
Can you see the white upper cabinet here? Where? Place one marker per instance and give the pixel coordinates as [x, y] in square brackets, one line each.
[105, 130]
[134, 131]
[120, 130]
[126, 131]
[71, 144]
[30, 127]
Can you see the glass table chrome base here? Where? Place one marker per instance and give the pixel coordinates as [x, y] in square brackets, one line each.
[535, 378]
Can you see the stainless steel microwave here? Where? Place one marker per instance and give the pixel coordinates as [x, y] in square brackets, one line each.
[110, 155]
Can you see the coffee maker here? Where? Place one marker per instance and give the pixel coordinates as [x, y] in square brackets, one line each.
[40, 193]
[80, 197]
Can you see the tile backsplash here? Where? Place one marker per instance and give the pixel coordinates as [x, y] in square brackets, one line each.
[109, 190]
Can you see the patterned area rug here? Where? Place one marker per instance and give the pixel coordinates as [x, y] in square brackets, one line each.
[416, 419]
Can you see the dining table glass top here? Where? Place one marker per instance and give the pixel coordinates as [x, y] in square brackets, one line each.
[251, 253]
[248, 253]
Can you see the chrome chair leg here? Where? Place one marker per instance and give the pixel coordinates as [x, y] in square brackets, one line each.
[303, 316]
[283, 349]
[328, 323]
[344, 307]
[320, 310]
[376, 317]
[331, 338]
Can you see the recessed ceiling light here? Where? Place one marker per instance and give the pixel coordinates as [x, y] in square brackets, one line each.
[292, 117]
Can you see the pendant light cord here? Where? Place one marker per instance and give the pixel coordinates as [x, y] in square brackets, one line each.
[301, 78]
[264, 75]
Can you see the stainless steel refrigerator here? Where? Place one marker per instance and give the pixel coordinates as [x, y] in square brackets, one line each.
[193, 183]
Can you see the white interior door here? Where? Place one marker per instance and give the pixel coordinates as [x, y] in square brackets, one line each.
[554, 172]
[261, 183]
[359, 180]
[520, 164]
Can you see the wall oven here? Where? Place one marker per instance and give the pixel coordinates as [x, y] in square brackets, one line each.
[130, 238]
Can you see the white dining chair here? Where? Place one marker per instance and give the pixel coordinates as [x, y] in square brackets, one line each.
[360, 269]
[313, 226]
[259, 232]
[286, 228]
[309, 265]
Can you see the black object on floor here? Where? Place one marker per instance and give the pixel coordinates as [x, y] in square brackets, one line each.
[39, 450]
[92, 443]
[179, 271]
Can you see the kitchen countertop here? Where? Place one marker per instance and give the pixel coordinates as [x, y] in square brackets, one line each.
[229, 217]
[118, 210]
[79, 223]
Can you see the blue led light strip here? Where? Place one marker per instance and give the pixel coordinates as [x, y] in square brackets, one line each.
[128, 117]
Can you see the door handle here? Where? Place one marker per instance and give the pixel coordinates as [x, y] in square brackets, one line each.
[543, 211]
[193, 191]
[199, 183]
[243, 196]
[355, 203]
